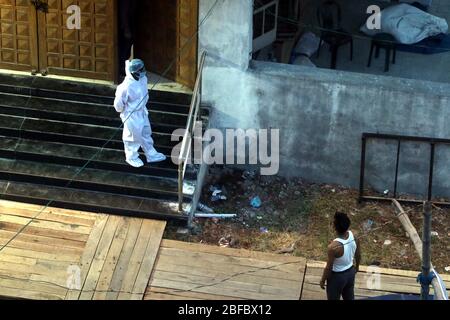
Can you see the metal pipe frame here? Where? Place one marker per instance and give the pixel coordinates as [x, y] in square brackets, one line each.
[400, 138]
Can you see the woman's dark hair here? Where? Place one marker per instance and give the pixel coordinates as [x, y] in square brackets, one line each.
[341, 222]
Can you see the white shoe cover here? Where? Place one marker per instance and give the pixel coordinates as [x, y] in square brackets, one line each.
[137, 163]
[157, 157]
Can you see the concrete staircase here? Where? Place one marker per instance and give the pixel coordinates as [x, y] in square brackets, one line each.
[60, 142]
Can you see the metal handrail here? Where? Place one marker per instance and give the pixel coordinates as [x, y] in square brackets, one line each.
[186, 145]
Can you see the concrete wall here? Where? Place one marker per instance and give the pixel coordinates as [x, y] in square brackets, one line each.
[227, 32]
[322, 114]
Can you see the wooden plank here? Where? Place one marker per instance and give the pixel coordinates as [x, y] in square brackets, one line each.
[89, 253]
[245, 277]
[14, 207]
[37, 255]
[45, 249]
[136, 259]
[156, 293]
[5, 257]
[189, 266]
[122, 264]
[33, 286]
[112, 260]
[230, 283]
[35, 269]
[45, 224]
[101, 253]
[194, 247]
[27, 294]
[220, 288]
[55, 242]
[214, 258]
[50, 215]
[31, 230]
[148, 263]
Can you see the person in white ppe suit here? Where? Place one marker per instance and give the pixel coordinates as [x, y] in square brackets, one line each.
[131, 102]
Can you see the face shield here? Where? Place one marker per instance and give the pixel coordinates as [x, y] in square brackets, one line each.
[137, 69]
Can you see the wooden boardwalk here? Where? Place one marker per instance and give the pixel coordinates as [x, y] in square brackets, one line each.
[193, 271]
[64, 254]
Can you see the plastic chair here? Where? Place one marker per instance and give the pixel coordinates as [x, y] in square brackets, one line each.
[329, 15]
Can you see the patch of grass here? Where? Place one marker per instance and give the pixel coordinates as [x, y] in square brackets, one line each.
[304, 218]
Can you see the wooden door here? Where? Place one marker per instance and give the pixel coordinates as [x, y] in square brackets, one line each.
[156, 36]
[166, 38]
[88, 52]
[187, 42]
[18, 35]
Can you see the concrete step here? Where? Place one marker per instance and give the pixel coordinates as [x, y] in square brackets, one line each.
[91, 201]
[61, 144]
[76, 155]
[78, 118]
[122, 183]
[79, 91]
[94, 135]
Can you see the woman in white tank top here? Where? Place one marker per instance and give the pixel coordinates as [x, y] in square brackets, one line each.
[343, 253]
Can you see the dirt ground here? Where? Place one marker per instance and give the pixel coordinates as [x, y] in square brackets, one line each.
[295, 218]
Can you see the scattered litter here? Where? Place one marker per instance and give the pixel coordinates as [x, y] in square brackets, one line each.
[204, 208]
[217, 193]
[183, 231]
[256, 202]
[447, 269]
[289, 249]
[249, 175]
[367, 226]
[387, 243]
[375, 241]
[333, 190]
[434, 234]
[386, 192]
[263, 230]
[215, 215]
[259, 218]
[224, 243]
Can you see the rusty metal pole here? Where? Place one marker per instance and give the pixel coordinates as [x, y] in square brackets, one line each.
[426, 250]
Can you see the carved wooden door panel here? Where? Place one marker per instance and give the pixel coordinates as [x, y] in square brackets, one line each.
[88, 52]
[187, 42]
[166, 38]
[156, 36]
[18, 35]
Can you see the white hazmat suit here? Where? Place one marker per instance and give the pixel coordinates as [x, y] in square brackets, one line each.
[131, 101]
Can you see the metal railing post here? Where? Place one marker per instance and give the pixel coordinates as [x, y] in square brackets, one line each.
[426, 251]
[189, 134]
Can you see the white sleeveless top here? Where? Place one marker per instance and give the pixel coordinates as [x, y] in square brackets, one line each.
[346, 261]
